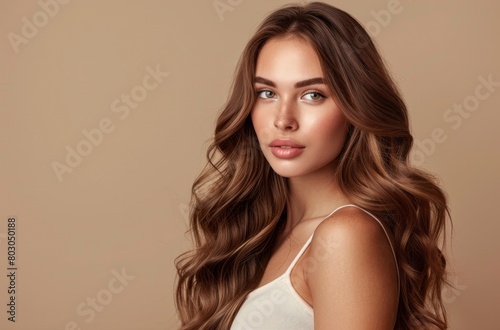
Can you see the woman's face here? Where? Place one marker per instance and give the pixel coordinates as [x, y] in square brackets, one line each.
[300, 128]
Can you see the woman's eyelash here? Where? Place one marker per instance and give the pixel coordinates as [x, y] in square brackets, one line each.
[319, 93]
[322, 95]
[260, 91]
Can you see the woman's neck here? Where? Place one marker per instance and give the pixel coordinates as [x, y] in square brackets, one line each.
[310, 197]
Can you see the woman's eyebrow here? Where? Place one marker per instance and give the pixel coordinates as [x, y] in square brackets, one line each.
[302, 83]
[307, 82]
[264, 81]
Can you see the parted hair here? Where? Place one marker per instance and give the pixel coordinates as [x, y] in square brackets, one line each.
[238, 202]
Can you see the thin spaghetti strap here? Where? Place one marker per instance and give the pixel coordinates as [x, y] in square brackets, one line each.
[297, 257]
[388, 238]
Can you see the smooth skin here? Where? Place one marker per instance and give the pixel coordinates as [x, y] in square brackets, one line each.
[350, 277]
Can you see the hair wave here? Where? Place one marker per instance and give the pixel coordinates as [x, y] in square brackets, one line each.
[238, 202]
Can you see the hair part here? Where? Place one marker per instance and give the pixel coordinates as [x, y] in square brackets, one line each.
[238, 202]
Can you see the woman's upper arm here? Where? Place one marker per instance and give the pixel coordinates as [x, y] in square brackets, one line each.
[354, 284]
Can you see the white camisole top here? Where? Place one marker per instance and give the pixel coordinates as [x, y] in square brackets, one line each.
[276, 305]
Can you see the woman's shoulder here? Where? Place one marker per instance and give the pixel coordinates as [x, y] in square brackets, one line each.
[351, 230]
[354, 269]
[352, 220]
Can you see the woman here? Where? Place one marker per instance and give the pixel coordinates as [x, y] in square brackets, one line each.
[309, 214]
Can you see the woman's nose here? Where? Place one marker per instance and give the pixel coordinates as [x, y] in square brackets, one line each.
[285, 116]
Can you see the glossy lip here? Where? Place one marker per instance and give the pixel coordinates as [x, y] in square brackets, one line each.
[294, 149]
[285, 143]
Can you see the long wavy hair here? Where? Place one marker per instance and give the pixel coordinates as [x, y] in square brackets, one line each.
[238, 202]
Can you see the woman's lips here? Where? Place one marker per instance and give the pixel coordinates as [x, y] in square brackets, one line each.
[285, 148]
[285, 143]
[286, 153]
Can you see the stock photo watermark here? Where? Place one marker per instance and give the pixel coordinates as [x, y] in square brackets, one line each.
[96, 304]
[224, 6]
[32, 26]
[264, 307]
[12, 268]
[381, 18]
[451, 293]
[454, 117]
[184, 210]
[122, 107]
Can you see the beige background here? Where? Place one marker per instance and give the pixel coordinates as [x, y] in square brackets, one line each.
[123, 207]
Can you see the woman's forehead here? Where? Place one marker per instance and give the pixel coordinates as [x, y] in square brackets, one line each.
[288, 61]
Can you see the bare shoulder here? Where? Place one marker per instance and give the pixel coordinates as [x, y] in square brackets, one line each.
[352, 231]
[354, 283]
[353, 225]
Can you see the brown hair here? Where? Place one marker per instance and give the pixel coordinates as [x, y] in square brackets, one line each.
[238, 201]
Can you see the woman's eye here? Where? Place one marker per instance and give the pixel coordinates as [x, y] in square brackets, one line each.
[314, 96]
[266, 94]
